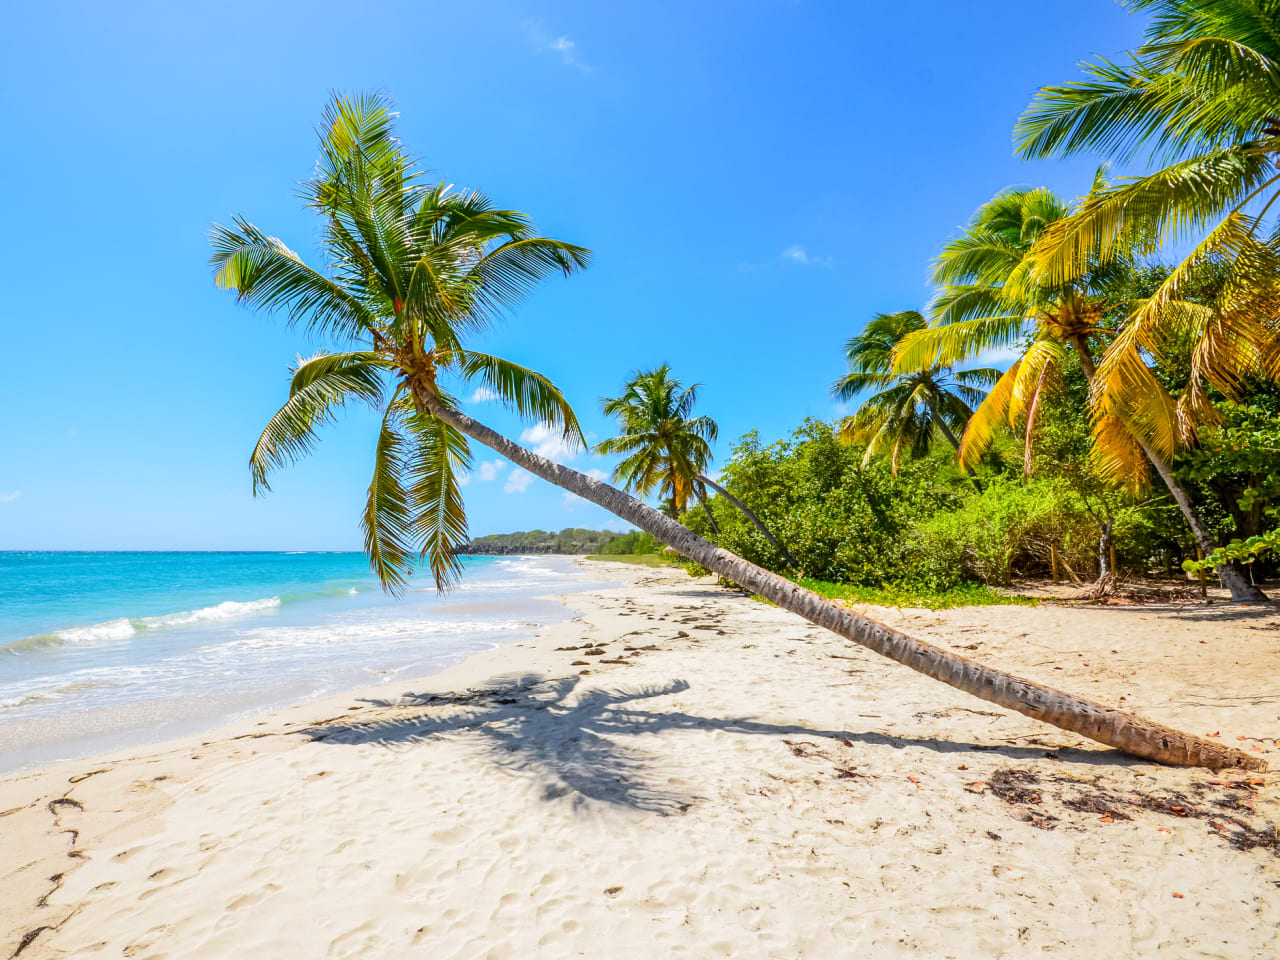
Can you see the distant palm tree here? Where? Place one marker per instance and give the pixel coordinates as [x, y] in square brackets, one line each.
[910, 408]
[412, 271]
[990, 296]
[666, 449]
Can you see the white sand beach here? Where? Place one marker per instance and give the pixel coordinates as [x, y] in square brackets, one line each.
[683, 771]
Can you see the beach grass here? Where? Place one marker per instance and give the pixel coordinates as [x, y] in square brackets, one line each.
[964, 595]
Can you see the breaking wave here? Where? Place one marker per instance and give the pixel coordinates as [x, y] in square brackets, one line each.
[123, 628]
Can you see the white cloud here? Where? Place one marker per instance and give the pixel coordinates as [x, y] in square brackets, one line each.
[483, 395]
[1000, 357]
[562, 46]
[6, 497]
[549, 442]
[595, 473]
[797, 254]
[518, 481]
[487, 472]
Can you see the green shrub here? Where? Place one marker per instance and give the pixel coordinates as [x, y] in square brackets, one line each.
[1008, 529]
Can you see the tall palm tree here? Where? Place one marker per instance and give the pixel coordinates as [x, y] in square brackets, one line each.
[413, 271]
[910, 407]
[991, 296]
[1203, 94]
[667, 449]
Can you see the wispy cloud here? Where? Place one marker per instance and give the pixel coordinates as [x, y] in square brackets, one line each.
[562, 46]
[518, 481]
[6, 497]
[797, 254]
[547, 441]
[483, 395]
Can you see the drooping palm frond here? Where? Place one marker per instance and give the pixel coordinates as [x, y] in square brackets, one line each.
[960, 341]
[440, 456]
[387, 519]
[993, 410]
[266, 274]
[1137, 216]
[529, 393]
[320, 385]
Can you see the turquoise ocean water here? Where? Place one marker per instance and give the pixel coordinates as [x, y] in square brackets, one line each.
[99, 650]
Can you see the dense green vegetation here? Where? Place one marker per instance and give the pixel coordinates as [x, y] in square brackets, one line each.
[573, 540]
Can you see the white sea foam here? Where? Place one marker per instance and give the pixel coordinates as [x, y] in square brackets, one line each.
[121, 629]
[227, 610]
[268, 638]
[126, 627]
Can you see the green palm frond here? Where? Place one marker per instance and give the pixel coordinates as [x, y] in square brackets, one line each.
[387, 519]
[957, 342]
[527, 392]
[441, 455]
[319, 387]
[266, 274]
[849, 387]
[1139, 215]
[993, 411]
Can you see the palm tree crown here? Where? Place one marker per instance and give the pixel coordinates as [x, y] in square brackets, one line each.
[1203, 93]
[989, 296]
[908, 408]
[664, 448]
[411, 270]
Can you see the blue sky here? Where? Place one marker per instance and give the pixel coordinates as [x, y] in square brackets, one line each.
[755, 178]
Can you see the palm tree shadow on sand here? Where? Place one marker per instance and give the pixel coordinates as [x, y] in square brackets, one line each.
[573, 740]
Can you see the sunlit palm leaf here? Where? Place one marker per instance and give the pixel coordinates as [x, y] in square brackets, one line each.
[440, 457]
[320, 386]
[387, 519]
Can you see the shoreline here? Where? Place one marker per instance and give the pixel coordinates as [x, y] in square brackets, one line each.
[720, 778]
[26, 743]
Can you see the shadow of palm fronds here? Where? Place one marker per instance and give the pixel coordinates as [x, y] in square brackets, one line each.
[538, 727]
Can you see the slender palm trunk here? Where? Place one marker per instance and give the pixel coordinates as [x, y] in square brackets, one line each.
[951, 439]
[1124, 731]
[1242, 591]
[706, 508]
[750, 515]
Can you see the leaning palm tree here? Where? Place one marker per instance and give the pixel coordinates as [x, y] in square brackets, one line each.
[991, 296]
[909, 408]
[413, 271]
[1203, 93]
[668, 450]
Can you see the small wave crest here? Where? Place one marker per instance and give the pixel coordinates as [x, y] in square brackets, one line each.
[227, 610]
[124, 628]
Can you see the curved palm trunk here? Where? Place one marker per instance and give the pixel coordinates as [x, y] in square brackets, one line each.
[1124, 731]
[1232, 578]
[706, 508]
[750, 515]
[951, 439]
